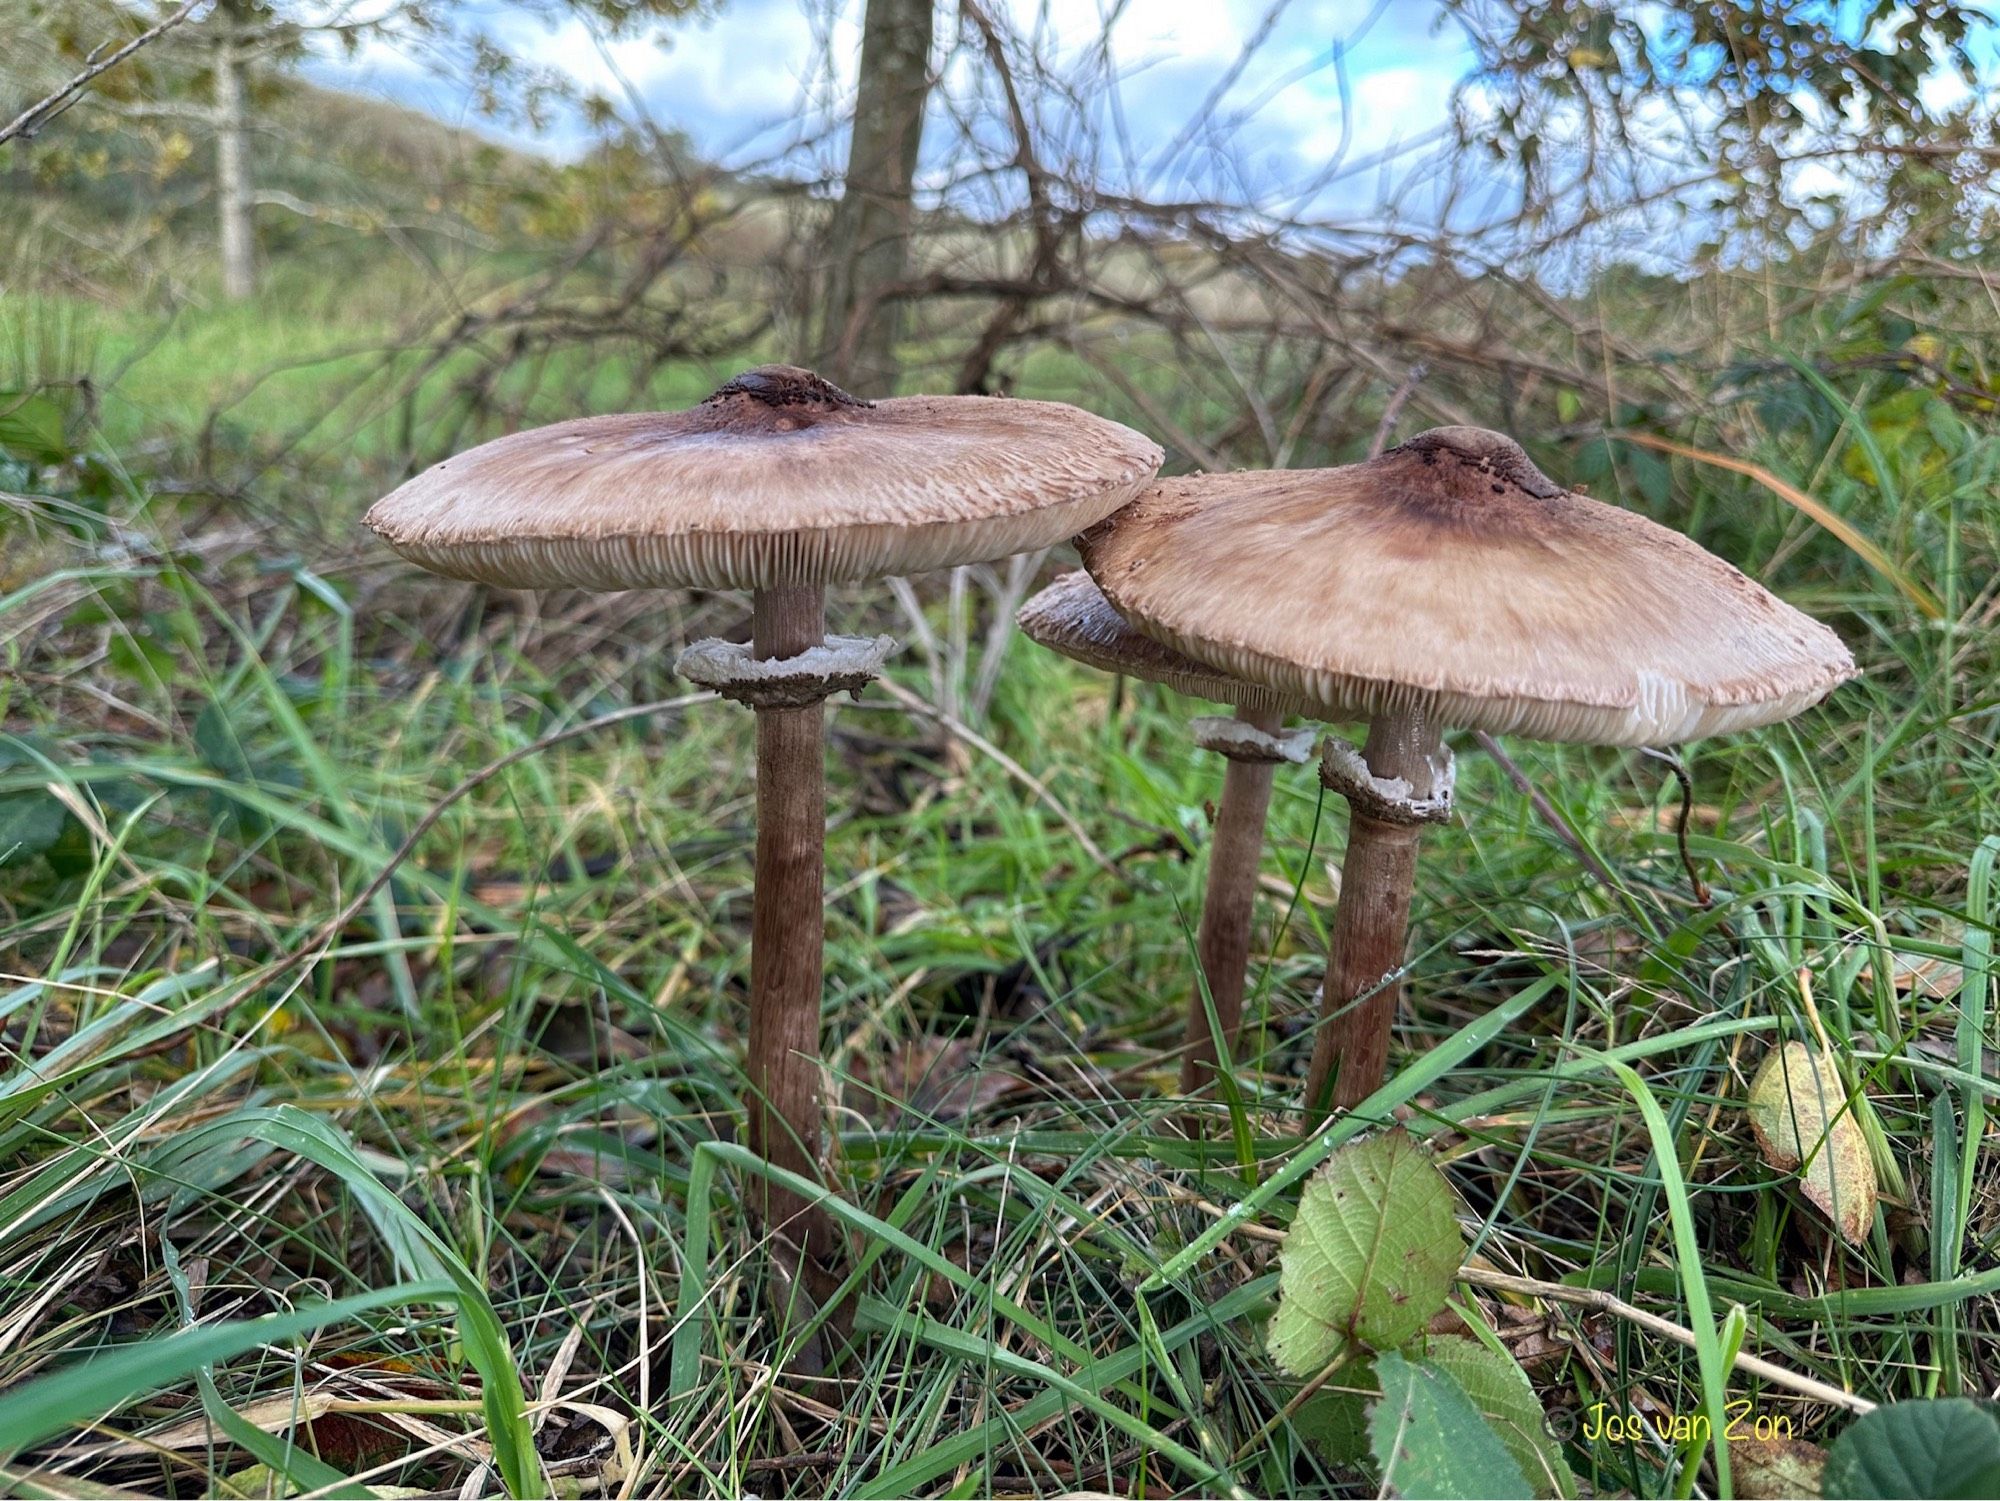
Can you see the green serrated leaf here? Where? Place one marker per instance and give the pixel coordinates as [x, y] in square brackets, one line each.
[73, 851]
[220, 747]
[1594, 460]
[1370, 1255]
[1652, 475]
[1334, 1419]
[138, 656]
[1430, 1441]
[1500, 1391]
[1945, 1448]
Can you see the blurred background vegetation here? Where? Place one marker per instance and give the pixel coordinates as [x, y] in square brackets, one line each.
[338, 956]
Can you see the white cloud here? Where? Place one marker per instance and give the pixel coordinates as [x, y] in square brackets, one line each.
[725, 78]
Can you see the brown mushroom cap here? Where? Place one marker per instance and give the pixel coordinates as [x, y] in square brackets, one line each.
[1073, 617]
[778, 478]
[1451, 577]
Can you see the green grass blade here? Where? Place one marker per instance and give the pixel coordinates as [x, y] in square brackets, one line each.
[1418, 1077]
[102, 1384]
[1687, 1255]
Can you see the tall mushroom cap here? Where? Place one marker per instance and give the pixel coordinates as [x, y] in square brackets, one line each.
[778, 478]
[1073, 617]
[1453, 578]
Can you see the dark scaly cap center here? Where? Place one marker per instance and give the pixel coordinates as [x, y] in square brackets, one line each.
[1494, 455]
[786, 386]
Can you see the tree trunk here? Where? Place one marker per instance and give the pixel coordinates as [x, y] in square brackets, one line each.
[870, 227]
[232, 173]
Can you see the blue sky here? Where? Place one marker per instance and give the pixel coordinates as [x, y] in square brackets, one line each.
[733, 82]
[745, 82]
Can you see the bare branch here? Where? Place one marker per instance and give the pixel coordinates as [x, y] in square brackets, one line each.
[35, 116]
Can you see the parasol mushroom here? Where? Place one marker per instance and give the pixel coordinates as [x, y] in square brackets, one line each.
[1073, 617]
[779, 483]
[1448, 583]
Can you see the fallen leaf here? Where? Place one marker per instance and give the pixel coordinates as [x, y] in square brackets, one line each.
[1775, 1469]
[1919, 975]
[1799, 1111]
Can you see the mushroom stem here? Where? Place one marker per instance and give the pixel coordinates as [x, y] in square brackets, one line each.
[1371, 925]
[786, 929]
[1234, 855]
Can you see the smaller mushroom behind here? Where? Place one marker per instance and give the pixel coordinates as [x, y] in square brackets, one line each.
[1448, 583]
[1073, 617]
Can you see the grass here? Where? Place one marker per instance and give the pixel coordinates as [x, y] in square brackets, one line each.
[295, 1179]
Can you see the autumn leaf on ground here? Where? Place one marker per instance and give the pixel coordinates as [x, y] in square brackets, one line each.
[1798, 1108]
[1775, 1469]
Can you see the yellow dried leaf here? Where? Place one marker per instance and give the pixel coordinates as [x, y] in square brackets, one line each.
[1798, 1108]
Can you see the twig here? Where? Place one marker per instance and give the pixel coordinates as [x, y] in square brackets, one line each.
[1678, 767]
[920, 626]
[1394, 409]
[1604, 1302]
[1548, 811]
[1007, 595]
[37, 115]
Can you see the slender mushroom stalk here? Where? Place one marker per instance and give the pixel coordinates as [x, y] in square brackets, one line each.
[779, 483]
[785, 674]
[1401, 781]
[1073, 617]
[1448, 583]
[786, 936]
[1229, 901]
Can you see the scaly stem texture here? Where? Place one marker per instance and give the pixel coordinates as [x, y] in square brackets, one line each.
[787, 928]
[1234, 856]
[1371, 926]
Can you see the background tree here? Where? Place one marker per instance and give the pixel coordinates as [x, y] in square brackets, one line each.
[1716, 106]
[241, 35]
[207, 88]
[201, 87]
[868, 232]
